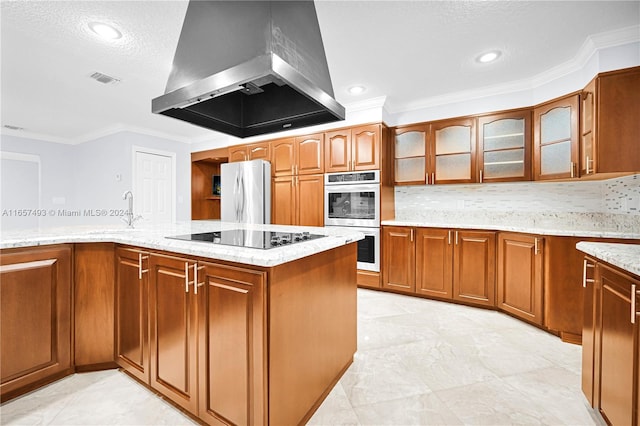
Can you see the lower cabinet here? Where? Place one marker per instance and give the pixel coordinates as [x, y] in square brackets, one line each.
[35, 317]
[195, 332]
[612, 379]
[231, 345]
[132, 316]
[174, 329]
[520, 275]
[446, 264]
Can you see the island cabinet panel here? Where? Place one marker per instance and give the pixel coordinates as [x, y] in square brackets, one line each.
[36, 317]
[398, 258]
[474, 267]
[520, 275]
[616, 346]
[132, 316]
[434, 263]
[232, 345]
[94, 306]
[173, 329]
[312, 331]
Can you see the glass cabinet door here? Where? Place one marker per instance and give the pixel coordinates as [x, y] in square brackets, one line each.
[504, 147]
[409, 158]
[587, 130]
[555, 139]
[453, 151]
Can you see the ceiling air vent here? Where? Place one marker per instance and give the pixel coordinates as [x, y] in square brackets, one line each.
[10, 127]
[103, 78]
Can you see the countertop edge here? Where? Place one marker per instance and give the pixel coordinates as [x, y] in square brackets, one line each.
[623, 256]
[515, 228]
[156, 240]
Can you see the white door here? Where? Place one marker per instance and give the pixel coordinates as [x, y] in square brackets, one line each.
[154, 186]
[20, 189]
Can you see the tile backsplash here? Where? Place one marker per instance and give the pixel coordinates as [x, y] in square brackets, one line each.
[613, 203]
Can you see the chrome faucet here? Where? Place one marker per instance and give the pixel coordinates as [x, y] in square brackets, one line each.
[129, 218]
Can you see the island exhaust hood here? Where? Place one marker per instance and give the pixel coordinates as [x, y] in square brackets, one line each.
[248, 68]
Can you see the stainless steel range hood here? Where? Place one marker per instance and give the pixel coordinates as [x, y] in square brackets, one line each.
[248, 68]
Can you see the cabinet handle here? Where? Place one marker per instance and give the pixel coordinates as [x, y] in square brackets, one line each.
[586, 280]
[186, 277]
[589, 161]
[456, 237]
[196, 284]
[411, 235]
[573, 166]
[426, 177]
[633, 303]
[480, 175]
[433, 178]
[449, 236]
[140, 270]
[535, 246]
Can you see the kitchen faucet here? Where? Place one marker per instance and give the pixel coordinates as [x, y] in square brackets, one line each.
[129, 219]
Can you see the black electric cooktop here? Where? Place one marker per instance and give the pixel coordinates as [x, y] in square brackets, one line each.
[249, 238]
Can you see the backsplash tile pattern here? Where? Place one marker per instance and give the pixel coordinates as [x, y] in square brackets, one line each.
[612, 204]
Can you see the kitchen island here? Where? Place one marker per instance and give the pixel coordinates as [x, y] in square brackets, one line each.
[230, 335]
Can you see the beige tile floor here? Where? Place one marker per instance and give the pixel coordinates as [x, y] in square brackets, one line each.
[419, 362]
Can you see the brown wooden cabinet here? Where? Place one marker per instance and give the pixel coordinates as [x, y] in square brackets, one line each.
[132, 313]
[353, 149]
[447, 264]
[504, 146]
[174, 329]
[94, 306]
[254, 151]
[205, 198]
[610, 368]
[232, 345]
[556, 139]
[36, 317]
[451, 151]
[297, 156]
[609, 125]
[298, 200]
[520, 275]
[410, 155]
[591, 294]
[398, 258]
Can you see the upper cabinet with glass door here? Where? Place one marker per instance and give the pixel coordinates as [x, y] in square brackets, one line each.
[452, 153]
[555, 138]
[410, 150]
[504, 147]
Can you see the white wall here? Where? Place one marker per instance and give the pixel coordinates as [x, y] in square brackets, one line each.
[75, 178]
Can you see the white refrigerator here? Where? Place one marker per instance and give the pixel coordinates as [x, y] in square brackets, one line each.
[245, 192]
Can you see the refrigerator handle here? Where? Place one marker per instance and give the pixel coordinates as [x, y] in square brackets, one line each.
[236, 191]
[242, 197]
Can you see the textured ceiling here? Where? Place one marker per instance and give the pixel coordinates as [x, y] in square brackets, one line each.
[408, 51]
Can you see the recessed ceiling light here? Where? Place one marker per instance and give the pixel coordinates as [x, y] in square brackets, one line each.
[356, 90]
[105, 31]
[489, 56]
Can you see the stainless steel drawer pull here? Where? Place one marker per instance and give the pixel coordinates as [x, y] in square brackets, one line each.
[433, 178]
[449, 236]
[140, 270]
[586, 280]
[196, 284]
[456, 237]
[634, 296]
[186, 277]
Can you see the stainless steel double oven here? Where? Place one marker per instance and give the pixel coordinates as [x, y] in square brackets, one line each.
[352, 200]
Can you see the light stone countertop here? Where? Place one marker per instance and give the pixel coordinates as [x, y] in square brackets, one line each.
[528, 224]
[154, 237]
[624, 256]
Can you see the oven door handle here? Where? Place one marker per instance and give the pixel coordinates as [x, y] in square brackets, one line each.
[353, 188]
